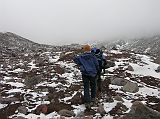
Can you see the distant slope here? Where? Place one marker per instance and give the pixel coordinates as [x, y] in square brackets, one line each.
[150, 46]
[147, 45]
[15, 42]
[11, 43]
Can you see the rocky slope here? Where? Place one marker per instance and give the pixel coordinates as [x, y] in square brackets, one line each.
[12, 44]
[47, 85]
[12, 41]
[147, 45]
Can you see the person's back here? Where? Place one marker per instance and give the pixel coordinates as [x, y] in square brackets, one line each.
[89, 67]
[88, 64]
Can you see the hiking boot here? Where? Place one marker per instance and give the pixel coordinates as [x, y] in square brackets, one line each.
[88, 106]
[93, 102]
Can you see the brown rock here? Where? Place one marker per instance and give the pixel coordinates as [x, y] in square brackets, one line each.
[101, 110]
[41, 109]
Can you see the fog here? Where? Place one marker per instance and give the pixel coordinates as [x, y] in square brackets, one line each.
[59, 22]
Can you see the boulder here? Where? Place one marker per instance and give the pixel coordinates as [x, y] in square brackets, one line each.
[119, 109]
[121, 106]
[22, 109]
[130, 68]
[119, 81]
[66, 113]
[130, 87]
[118, 98]
[109, 64]
[158, 69]
[41, 109]
[140, 111]
[101, 110]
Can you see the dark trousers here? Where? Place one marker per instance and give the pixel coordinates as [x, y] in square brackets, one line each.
[89, 83]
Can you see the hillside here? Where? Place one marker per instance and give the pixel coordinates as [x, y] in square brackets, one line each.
[12, 41]
[11, 44]
[47, 84]
[149, 46]
[146, 45]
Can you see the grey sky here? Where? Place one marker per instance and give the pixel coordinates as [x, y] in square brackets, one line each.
[79, 21]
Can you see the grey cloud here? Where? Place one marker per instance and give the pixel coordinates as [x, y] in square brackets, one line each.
[79, 21]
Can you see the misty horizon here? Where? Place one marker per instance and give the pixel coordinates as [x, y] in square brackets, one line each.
[61, 22]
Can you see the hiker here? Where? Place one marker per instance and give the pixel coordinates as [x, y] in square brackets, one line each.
[89, 67]
[102, 62]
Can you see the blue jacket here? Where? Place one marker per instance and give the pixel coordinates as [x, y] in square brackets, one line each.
[88, 64]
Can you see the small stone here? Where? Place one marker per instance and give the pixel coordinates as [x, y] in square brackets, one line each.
[118, 98]
[66, 113]
[101, 110]
[22, 109]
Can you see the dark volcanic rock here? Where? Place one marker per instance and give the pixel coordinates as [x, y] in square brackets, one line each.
[131, 87]
[119, 81]
[22, 109]
[140, 111]
[77, 99]
[66, 113]
[158, 69]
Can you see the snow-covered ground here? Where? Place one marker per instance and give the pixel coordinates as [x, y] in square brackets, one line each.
[146, 67]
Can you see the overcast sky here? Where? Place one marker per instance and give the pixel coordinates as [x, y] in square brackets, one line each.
[78, 21]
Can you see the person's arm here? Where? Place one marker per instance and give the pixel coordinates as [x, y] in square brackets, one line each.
[76, 60]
